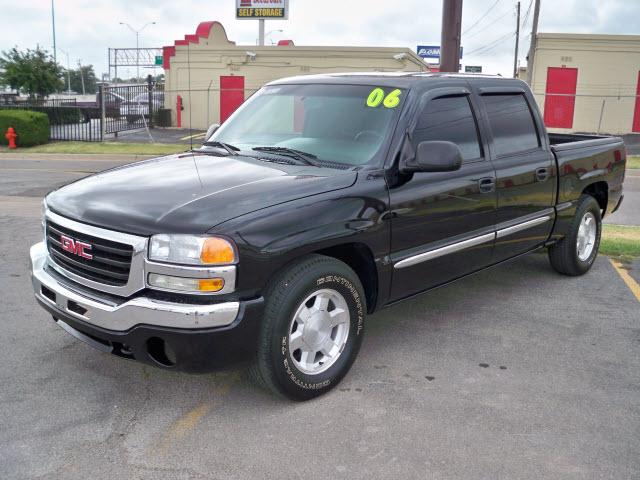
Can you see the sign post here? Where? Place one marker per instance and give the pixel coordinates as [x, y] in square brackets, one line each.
[261, 10]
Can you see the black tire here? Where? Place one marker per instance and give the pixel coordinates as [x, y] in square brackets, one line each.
[564, 254]
[274, 367]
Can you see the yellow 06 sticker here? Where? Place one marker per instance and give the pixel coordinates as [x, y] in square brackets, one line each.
[378, 96]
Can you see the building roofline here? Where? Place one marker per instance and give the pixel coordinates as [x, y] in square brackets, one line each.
[589, 36]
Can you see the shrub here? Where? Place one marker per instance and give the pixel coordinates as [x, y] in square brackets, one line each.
[32, 127]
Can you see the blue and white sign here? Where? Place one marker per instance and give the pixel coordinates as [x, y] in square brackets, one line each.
[431, 51]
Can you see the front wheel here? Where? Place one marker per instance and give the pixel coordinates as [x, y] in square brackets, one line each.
[574, 254]
[312, 328]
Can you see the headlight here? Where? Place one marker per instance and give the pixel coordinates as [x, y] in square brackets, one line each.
[192, 250]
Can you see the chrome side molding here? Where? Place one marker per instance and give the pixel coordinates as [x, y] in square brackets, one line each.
[522, 226]
[471, 242]
[439, 252]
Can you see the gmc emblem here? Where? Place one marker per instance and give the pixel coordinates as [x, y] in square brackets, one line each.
[76, 247]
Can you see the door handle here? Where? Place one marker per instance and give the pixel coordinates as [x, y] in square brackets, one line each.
[542, 174]
[487, 185]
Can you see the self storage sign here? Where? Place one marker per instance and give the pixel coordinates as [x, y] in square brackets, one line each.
[253, 9]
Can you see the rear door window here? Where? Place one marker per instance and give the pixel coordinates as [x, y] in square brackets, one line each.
[450, 119]
[511, 123]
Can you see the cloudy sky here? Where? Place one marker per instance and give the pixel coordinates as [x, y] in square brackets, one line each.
[86, 28]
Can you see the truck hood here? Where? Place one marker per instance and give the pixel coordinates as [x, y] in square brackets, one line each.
[188, 193]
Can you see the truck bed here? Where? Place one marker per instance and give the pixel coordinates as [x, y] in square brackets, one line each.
[584, 160]
[561, 139]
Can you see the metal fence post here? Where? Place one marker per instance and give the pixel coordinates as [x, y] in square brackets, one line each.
[103, 115]
[150, 87]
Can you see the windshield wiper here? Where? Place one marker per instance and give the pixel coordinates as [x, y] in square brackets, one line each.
[231, 149]
[304, 157]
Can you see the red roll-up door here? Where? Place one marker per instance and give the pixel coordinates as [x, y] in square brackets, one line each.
[560, 100]
[231, 95]
[636, 111]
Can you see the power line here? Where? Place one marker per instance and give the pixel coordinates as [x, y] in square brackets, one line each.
[483, 16]
[490, 46]
[508, 12]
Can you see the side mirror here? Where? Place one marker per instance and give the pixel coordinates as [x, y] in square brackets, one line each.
[212, 129]
[434, 156]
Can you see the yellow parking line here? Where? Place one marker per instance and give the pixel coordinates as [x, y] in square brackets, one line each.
[628, 279]
[188, 422]
[197, 135]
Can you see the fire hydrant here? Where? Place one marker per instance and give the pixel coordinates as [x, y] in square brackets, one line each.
[11, 136]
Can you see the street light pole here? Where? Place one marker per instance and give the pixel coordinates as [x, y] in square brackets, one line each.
[81, 76]
[137, 32]
[68, 72]
[270, 32]
[53, 27]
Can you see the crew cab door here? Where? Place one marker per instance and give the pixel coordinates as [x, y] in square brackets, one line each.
[443, 223]
[525, 170]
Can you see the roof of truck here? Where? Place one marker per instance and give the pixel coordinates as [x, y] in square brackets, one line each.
[386, 78]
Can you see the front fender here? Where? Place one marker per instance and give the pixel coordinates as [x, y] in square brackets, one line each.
[271, 238]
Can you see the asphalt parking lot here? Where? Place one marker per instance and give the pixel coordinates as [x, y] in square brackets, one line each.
[516, 372]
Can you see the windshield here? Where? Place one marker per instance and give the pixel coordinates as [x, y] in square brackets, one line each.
[336, 123]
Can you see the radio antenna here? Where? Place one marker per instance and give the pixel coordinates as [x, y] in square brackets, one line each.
[189, 81]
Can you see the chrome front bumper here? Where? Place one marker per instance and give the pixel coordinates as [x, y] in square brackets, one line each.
[103, 312]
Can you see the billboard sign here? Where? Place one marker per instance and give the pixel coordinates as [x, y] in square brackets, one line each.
[431, 51]
[262, 9]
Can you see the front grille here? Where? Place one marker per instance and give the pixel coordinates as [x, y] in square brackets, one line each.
[110, 264]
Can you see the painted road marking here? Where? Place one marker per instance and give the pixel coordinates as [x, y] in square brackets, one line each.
[197, 135]
[628, 279]
[190, 420]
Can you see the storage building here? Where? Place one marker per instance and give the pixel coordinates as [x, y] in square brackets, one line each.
[588, 83]
[211, 76]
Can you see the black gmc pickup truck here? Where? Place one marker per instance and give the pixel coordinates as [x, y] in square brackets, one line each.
[322, 199]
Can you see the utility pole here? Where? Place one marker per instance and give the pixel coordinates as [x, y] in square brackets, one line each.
[450, 37]
[515, 57]
[534, 39]
[53, 27]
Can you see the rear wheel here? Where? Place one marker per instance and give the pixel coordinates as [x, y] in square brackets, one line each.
[574, 254]
[312, 328]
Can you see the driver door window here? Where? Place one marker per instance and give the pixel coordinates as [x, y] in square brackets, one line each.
[450, 119]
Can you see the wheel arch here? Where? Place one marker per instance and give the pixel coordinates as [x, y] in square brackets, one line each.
[599, 191]
[359, 257]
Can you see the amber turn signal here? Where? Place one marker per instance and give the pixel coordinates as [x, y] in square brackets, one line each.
[217, 251]
[211, 285]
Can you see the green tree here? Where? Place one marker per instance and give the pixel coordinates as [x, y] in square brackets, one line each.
[32, 72]
[89, 77]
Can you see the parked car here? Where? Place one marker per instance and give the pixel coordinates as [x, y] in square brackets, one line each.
[93, 110]
[320, 200]
[139, 107]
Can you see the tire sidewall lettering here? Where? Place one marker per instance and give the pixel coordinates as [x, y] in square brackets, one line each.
[354, 299]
